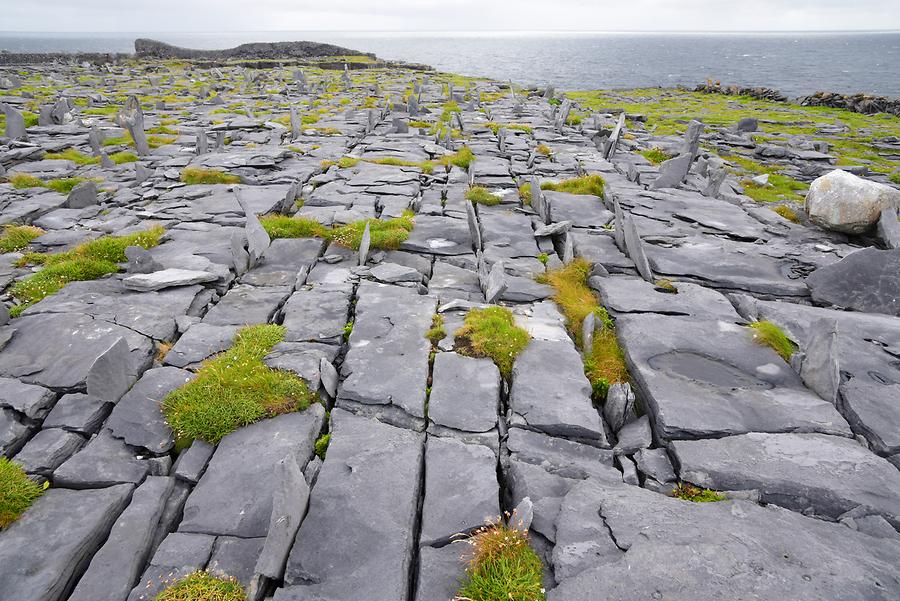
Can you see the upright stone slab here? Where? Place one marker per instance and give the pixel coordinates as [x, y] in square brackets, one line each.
[132, 119]
[359, 532]
[83, 195]
[889, 228]
[234, 496]
[61, 532]
[692, 139]
[820, 368]
[635, 248]
[673, 171]
[613, 141]
[15, 123]
[112, 373]
[364, 245]
[474, 227]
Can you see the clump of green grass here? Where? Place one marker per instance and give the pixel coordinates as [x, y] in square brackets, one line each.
[604, 362]
[78, 157]
[780, 187]
[788, 213]
[437, 331]
[235, 389]
[425, 166]
[196, 175]
[492, 333]
[462, 158]
[894, 177]
[17, 237]
[386, 234]
[771, 335]
[502, 566]
[589, 184]
[656, 155]
[62, 185]
[695, 494]
[481, 195]
[495, 127]
[87, 261]
[322, 445]
[153, 141]
[17, 492]
[544, 150]
[203, 586]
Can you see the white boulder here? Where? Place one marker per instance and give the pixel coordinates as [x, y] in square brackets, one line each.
[843, 202]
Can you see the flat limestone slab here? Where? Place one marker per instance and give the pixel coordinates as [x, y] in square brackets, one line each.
[60, 532]
[829, 474]
[234, 496]
[551, 394]
[678, 550]
[387, 363]
[465, 393]
[358, 534]
[709, 378]
[167, 278]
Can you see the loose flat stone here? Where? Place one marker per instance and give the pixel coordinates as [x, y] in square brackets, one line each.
[829, 475]
[872, 409]
[48, 450]
[709, 378]
[137, 418]
[364, 508]
[61, 531]
[247, 305]
[551, 394]
[461, 490]
[104, 461]
[200, 342]
[234, 496]
[465, 393]
[167, 278]
[116, 567]
[283, 261]
[31, 401]
[13, 433]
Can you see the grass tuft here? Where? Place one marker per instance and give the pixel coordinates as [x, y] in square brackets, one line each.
[502, 566]
[771, 335]
[17, 237]
[87, 261]
[386, 234]
[195, 175]
[656, 155]
[462, 158]
[492, 333]
[481, 195]
[203, 586]
[62, 185]
[17, 492]
[695, 494]
[235, 389]
[604, 362]
[437, 331]
[589, 184]
[788, 213]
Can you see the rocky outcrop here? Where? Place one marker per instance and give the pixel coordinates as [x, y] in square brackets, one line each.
[760, 93]
[858, 103]
[150, 49]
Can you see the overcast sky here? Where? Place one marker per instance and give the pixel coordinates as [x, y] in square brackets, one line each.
[444, 15]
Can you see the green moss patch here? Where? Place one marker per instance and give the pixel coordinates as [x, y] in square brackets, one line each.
[589, 184]
[195, 175]
[437, 331]
[386, 234]
[203, 586]
[235, 389]
[17, 492]
[788, 213]
[62, 185]
[769, 334]
[780, 187]
[695, 494]
[87, 261]
[17, 237]
[502, 567]
[492, 333]
[322, 445]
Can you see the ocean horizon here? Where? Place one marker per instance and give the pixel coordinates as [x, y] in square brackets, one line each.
[794, 62]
